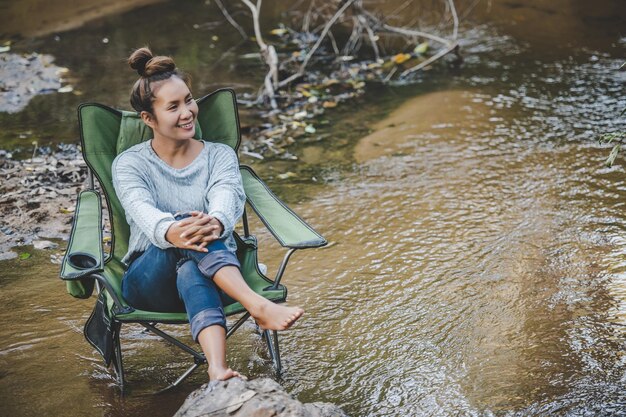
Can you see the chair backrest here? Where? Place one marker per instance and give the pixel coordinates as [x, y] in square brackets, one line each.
[106, 132]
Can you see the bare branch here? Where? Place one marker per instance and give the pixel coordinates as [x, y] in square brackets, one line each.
[257, 26]
[413, 32]
[323, 34]
[430, 60]
[307, 17]
[455, 18]
[333, 42]
[230, 19]
[372, 36]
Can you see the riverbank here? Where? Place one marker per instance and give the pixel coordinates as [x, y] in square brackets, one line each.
[37, 196]
[41, 17]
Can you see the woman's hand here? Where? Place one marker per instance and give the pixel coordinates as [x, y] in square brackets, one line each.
[194, 232]
[204, 231]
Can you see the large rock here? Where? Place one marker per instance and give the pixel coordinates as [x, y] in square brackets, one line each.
[257, 398]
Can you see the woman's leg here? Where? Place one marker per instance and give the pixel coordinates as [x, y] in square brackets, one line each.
[222, 266]
[267, 314]
[206, 315]
[150, 281]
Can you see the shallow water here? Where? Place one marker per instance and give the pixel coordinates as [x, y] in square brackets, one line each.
[476, 261]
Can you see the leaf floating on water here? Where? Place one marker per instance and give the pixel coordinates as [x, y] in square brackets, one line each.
[300, 115]
[421, 48]
[68, 210]
[278, 31]
[400, 58]
[309, 129]
[329, 104]
[357, 84]
[24, 256]
[286, 175]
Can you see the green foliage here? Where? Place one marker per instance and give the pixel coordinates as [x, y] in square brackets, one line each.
[609, 138]
[618, 137]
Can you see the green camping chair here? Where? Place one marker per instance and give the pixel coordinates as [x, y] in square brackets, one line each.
[106, 132]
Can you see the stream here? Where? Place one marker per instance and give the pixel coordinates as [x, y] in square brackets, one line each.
[476, 259]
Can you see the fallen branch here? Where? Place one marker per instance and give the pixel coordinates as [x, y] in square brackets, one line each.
[317, 44]
[430, 60]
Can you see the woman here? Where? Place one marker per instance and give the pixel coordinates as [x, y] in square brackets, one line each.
[182, 198]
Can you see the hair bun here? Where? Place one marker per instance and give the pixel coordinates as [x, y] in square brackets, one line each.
[147, 65]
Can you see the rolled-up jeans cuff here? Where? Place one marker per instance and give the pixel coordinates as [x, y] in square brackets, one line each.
[205, 318]
[214, 261]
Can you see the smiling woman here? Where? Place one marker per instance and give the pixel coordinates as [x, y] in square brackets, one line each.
[182, 198]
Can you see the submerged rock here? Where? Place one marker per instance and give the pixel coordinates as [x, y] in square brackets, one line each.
[44, 244]
[22, 77]
[261, 397]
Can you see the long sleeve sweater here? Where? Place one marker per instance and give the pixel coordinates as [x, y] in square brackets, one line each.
[152, 192]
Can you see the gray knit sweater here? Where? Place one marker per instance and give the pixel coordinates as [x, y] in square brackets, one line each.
[152, 192]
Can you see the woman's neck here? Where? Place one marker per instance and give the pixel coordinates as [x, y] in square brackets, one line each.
[176, 153]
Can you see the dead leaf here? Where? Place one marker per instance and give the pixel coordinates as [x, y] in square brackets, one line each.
[421, 48]
[287, 175]
[400, 58]
[278, 32]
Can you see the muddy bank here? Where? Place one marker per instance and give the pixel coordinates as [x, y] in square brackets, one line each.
[38, 196]
[40, 17]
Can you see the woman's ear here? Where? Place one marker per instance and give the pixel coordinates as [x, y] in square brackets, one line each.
[147, 118]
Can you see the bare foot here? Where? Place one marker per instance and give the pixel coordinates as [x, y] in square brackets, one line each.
[222, 374]
[270, 316]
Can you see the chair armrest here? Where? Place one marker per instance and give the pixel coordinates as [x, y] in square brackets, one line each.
[289, 229]
[84, 255]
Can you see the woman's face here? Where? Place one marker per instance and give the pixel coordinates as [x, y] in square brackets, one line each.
[175, 111]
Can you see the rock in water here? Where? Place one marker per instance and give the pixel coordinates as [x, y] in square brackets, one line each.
[44, 244]
[261, 397]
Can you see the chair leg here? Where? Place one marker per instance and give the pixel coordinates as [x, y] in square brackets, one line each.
[118, 363]
[180, 378]
[277, 362]
[271, 338]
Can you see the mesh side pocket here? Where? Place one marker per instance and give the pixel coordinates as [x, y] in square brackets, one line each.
[99, 329]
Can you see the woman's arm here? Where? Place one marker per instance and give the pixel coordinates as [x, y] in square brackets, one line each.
[139, 205]
[225, 194]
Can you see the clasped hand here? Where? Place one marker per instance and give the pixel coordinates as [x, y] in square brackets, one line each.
[195, 232]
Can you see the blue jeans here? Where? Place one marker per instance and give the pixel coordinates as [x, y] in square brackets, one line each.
[175, 280]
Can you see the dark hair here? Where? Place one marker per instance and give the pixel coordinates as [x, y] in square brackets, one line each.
[151, 69]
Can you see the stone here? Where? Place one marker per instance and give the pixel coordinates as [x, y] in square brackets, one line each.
[5, 256]
[44, 244]
[261, 397]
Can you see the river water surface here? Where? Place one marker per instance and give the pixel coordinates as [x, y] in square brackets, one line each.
[475, 265]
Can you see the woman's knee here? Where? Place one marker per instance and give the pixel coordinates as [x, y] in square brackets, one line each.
[187, 275]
